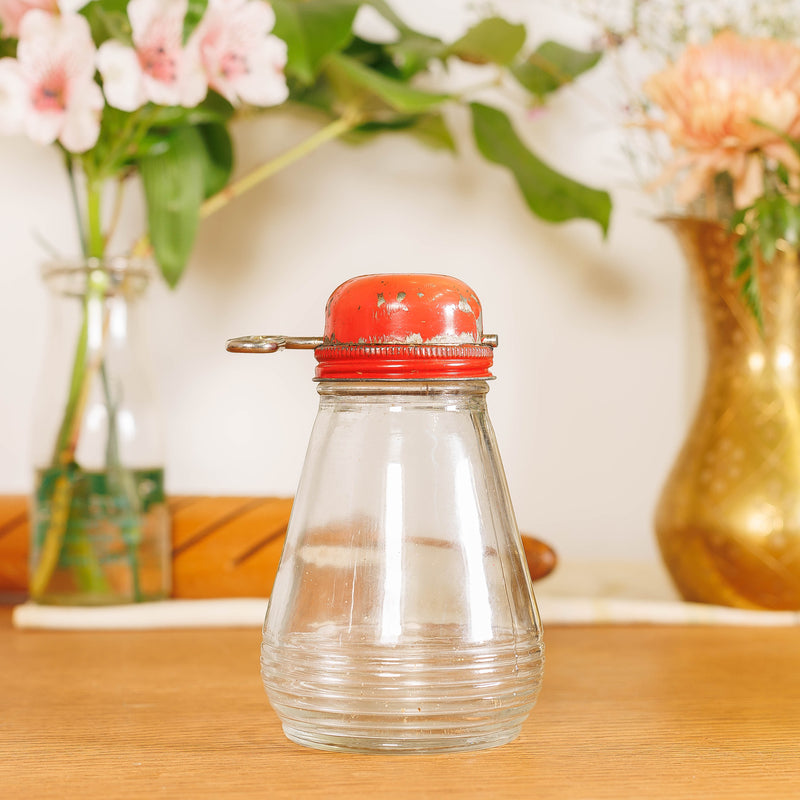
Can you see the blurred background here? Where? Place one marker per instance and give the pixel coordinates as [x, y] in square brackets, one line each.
[595, 359]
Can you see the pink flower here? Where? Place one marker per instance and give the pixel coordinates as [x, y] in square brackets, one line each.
[158, 68]
[12, 11]
[242, 61]
[50, 85]
[712, 97]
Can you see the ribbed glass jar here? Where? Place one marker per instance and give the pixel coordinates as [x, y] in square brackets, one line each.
[402, 617]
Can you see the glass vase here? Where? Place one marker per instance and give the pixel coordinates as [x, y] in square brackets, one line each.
[728, 520]
[100, 527]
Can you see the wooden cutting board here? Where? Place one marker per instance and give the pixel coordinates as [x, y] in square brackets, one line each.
[221, 546]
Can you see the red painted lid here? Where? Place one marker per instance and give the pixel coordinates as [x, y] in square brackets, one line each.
[403, 327]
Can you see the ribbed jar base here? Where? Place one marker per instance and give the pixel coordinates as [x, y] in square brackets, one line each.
[434, 697]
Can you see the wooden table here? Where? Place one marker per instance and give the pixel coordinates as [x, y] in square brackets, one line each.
[626, 712]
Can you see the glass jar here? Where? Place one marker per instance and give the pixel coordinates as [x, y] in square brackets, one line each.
[402, 617]
[100, 527]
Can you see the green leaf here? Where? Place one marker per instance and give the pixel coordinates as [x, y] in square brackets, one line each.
[108, 19]
[373, 55]
[194, 13]
[414, 51]
[745, 266]
[215, 108]
[219, 152]
[770, 226]
[319, 96]
[429, 129]
[790, 217]
[312, 30]
[8, 47]
[174, 185]
[491, 41]
[793, 143]
[432, 131]
[768, 245]
[353, 80]
[743, 261]
[551, 66]
[550, 195]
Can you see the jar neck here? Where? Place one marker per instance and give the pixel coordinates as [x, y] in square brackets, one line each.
[464, 388]
[110, 277]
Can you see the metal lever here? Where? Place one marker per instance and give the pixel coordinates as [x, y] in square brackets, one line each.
[271, 344]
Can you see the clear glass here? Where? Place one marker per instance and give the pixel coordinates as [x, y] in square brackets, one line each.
[402, 616]
[100, 531]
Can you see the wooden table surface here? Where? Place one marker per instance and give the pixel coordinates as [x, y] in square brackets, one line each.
[625, 712]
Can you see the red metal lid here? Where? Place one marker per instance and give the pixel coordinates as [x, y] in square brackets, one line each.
[404, 327]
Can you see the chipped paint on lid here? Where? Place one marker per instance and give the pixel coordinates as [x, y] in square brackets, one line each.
[403, 327]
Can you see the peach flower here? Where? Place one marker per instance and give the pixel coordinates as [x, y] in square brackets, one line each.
[714, 97]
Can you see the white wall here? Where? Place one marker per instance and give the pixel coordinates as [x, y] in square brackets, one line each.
[589, 405]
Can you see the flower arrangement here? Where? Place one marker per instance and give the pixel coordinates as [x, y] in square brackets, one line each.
[716, 115]
[148, 89]
[723, 95]
[127, 88]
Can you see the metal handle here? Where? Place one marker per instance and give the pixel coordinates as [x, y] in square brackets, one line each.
[271, 344]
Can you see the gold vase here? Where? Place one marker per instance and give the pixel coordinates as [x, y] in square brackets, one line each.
[728, 520]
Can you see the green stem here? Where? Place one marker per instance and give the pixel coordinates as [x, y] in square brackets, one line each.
[120, 481]
[96, 240]
[87, 360]
[82, 368]
[122, 141]
[116, 213]
[73, 189]
[332, 131]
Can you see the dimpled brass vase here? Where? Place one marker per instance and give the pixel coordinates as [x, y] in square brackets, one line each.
[728, 520]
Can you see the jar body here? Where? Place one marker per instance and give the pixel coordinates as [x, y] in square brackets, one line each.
[100, 526]
[402, 616]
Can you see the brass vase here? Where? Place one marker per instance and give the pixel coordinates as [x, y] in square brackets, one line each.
[728, 520]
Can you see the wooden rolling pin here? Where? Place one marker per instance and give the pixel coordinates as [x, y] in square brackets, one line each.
[221, 546]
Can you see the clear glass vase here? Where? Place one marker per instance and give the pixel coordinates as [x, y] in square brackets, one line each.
[100, 527]
[402, 618]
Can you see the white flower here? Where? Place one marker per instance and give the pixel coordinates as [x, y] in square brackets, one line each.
[158, 68]
[12, 96]
[242, 61]
[50, 86]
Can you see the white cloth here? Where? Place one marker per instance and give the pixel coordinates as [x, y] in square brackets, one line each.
[577, 593]
[249, 612]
